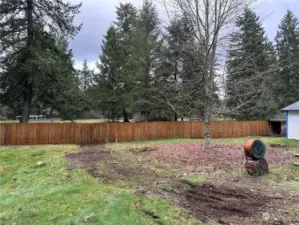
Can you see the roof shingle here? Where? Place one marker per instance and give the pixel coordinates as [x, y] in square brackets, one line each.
[293, 107]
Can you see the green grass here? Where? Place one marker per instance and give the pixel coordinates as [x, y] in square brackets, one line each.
[197, 179]
[296, 184]
[140, 144]
[52, 195]
[8, 121]
[232, 141]
[266, 140]
[65, 121]
[90, 121]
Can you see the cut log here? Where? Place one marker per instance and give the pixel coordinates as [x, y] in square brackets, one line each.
[254, 149]
[257, 167]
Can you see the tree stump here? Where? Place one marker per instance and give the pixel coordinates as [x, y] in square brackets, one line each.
[257, 167]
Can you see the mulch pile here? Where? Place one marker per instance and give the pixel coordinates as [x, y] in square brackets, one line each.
[224, 157]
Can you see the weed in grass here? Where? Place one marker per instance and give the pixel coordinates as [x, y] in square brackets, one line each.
[196, 179]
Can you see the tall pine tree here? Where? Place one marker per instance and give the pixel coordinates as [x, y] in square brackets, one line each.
[287, 47]
[56, 85]
[85, 78]
[249, 67]
[109, 88]
[167, 73]
[177, 68]
[147, 49]
[24, 26]
[126, 26]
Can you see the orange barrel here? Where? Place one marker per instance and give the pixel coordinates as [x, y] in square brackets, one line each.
[254, 149]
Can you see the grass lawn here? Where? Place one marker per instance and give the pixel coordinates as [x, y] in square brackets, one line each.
[65, 121]
[85, 121]
[8, 121]
[232, 141]
[53, 194]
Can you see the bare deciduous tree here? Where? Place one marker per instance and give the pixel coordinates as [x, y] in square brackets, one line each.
[211, 21]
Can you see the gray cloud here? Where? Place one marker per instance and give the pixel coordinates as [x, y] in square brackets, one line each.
[96, 18]
[98, 15]
[272, 11]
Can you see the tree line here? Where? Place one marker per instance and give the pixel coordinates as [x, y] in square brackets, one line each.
[194, 65]
[152, 70]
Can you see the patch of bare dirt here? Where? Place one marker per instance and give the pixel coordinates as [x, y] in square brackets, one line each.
[143, 149]
[88, 160]
[278, 146]
[228, 201]
[229, 205]
[218, 157]
[99, 162]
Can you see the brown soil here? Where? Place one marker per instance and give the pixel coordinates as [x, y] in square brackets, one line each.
[99, 162]
[278, 146]
[88, 160]
[218, 157]
[158, 171]
[230, 205]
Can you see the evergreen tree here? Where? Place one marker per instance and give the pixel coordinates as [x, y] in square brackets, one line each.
[25, 26]
[126, 26]
[85, 76]
[147, 49]
[192, 72]
[287, 47]
[109, 87]
[167, 75]
[57, 85]
[249, 64]
[175, 74]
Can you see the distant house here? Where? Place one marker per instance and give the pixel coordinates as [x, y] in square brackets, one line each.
[292, 118]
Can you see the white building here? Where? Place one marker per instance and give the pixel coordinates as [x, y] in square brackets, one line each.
[292, 118]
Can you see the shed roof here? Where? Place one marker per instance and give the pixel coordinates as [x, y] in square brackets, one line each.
[293, 107]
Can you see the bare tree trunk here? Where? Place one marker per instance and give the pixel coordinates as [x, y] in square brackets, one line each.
[207, 120]
[27, 103]
[175, 116]
[113, 115]
[126, 117]
[28, 87]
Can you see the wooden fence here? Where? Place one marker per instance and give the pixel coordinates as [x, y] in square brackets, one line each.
[96, 133]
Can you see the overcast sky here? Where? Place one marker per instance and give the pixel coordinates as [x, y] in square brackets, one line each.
[98, 15]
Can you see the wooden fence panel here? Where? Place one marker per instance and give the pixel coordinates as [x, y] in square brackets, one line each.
[97, 133]
[2, 134]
